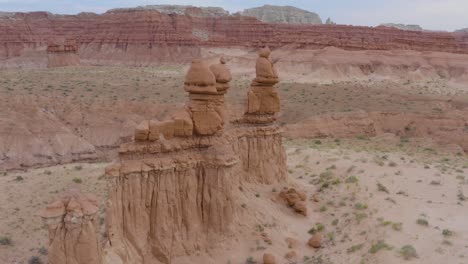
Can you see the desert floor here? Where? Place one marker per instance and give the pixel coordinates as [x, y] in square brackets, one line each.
[375, 200]
[368, 197]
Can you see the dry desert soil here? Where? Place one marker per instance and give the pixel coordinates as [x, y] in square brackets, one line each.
[386, 197]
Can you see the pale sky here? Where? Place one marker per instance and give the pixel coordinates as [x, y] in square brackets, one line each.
[430, 14]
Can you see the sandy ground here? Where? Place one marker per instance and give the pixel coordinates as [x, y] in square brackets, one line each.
[368, 197]
[24, 194]
[418, 183]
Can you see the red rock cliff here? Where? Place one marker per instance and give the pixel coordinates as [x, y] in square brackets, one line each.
[145, 35]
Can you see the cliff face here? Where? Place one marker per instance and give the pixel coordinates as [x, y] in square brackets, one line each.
[139, 37]
[282, 14]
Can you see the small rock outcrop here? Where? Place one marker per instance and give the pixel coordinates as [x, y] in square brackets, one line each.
[282, 14]
[73, 229]
[62, 53]
[296, 200]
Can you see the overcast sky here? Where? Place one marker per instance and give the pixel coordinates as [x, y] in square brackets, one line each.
[430, 14]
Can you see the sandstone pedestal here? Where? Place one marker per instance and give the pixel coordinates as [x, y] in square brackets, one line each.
[171, 198]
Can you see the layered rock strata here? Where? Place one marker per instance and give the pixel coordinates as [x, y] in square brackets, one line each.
[141, 36]
[61, 54]
[73, 229]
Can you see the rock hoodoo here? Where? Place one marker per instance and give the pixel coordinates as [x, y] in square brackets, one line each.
[62, 53]
[174, 190]
[73, 229]
[263, 101]
[204, 114]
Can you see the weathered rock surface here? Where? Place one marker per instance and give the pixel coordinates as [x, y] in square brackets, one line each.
[73, 229]
[166, 202]
[262, 154]
[282, 14]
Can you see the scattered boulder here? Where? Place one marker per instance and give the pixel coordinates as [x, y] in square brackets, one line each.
[295, 200]
[315, 241]
[269, 259]
[300, 207]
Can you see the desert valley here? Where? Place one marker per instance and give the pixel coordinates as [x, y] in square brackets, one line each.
[181, 134]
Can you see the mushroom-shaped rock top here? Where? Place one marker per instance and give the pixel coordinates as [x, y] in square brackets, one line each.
[265, 52]
[199, 74]
[221, 72]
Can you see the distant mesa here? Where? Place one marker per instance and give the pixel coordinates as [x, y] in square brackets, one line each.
[266, 13]
[462, 30]
[282, 14]
[187, 10]
[402, 26]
